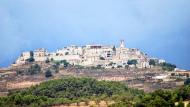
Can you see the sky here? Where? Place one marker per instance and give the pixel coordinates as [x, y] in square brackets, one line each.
[160, 28]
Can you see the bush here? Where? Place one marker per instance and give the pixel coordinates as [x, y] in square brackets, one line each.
[119, 66]
[31, 59]
[152, 62]
[102, 58]
[187, 81]
[47, 60]
[34, 69]
[167, 66]
[132, 62]
[48, 74]
[65, 63]
[111, 63]
[55, 68]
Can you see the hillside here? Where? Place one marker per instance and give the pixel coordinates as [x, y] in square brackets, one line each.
[69, 90]
[74, 91]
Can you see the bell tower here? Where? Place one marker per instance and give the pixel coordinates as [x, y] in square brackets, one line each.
[122, 44]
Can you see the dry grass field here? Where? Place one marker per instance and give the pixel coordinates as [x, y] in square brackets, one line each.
[88, 104]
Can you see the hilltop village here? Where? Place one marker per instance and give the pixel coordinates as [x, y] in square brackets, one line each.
[128, 65]
[92, 55]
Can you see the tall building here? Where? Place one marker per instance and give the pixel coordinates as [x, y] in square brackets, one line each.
[122, 44]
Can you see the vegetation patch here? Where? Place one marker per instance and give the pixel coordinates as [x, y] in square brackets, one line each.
[68, 90]
[72, 90]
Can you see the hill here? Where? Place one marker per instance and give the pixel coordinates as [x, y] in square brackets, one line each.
[68, 90]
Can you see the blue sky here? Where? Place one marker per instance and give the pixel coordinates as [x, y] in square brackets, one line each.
[161, 28]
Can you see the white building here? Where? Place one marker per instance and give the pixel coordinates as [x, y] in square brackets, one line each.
[24, 57]
[40, 55]
[90, 55]
[161, 61]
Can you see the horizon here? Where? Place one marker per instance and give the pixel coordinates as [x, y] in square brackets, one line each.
[159, 28]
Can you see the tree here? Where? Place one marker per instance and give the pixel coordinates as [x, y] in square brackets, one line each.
[126, 66]
[119, 66]
[167, 66]
[187, 81]
[66, 53]
[65, 63]
[18, 99]
[55, 68]
[110, 64]
[34, 69]
[52, 59]
[152, 62]
[31, 59]
[48, 73]
[102, 58]
[132, 62]
[47, 60]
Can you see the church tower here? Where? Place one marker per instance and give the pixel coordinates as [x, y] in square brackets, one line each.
[122, 44]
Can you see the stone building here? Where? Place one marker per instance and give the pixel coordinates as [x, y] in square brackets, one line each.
[40, 55]
[91, 55]
[22, 59]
